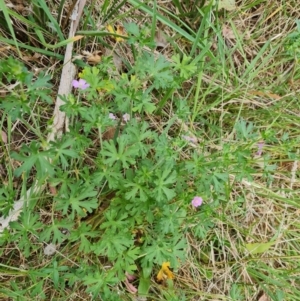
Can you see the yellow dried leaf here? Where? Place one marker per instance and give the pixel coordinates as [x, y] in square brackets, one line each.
[165, 272]
[120, 30]
[110, 29]
[160, 275]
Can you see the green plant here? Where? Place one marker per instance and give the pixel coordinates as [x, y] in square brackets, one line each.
[292, 43]
[138, 165]
[172, 162]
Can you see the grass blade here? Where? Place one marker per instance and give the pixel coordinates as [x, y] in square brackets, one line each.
[8, 21]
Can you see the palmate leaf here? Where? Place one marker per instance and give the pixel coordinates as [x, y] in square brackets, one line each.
[99, 282]
[185, 67]
[113, 175]
[137, 134]
[114, 221]
[126, 262]
[82, 233]
[112, 244]
[161, 191]
[144, 104]
[40, 88]
[36, 158]
[28, 223]
[124, 153]
[79, 200]
[64, 149]
[157, 252]
[123, 94]
[113, 178]
[136, 190]
[171, 220]
[52, 233]
[15, 107]
[219, 180]
[157, 69]
[132, 28]
[163, 249]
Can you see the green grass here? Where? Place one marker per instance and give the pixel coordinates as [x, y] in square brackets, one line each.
[117, 196]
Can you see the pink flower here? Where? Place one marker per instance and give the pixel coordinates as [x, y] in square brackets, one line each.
[112, 116]
[80, 84]
[126, 117]
[260, 146]
[197, 201]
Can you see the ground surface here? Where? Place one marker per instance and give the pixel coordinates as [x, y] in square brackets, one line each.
[204, 102]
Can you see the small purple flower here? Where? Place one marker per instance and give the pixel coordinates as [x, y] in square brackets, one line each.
[197, 201]
[112, 116]
[126, 117]
[260, 146]
[189, 139]
[80, 84]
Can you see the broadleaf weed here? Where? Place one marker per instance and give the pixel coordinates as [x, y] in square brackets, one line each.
[123, 201]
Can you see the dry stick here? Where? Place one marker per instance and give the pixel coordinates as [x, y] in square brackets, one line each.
[294, 171]
[68, 74]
